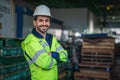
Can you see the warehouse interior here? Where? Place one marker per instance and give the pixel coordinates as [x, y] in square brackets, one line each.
[88, 29]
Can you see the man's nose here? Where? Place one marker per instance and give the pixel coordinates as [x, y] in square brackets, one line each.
[44, 22]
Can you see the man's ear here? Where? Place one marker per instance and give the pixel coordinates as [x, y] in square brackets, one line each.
[34, 24]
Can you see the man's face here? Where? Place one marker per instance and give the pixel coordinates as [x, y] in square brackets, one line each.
[42, 23]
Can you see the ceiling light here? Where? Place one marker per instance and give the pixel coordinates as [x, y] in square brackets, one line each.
[77, 34]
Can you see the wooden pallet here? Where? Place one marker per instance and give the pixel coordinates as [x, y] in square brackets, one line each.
[98, 43]
[94, 65]
[94, 50]
[97, 54]
[97, 58]
[62, 75]
[98, 46]
[92, 74]
[99, 39]
[1, 77]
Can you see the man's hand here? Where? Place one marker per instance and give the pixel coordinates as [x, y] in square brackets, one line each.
[49, 54]
[55, 55]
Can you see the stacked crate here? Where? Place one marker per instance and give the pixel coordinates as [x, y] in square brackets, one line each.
[97, 57]
[13, 65]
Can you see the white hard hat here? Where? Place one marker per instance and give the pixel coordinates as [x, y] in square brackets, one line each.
[42, 10]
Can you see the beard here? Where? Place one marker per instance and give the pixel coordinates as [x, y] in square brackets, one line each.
[42, 28]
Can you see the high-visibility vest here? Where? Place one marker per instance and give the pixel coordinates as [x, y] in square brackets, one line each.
[42, 65]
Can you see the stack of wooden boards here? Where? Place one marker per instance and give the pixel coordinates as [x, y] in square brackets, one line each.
[97, 57]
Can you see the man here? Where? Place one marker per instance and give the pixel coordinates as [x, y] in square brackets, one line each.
[41, 50]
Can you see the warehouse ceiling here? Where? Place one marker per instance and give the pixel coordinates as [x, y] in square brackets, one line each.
[97, 6]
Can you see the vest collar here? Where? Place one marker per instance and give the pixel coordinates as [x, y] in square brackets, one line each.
[48, 36]
[34, 32]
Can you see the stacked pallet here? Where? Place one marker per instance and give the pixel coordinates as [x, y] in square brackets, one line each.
[97, 57]
[90, 73]
[65, 69]
[62, 73]
[117, 49]
[13, 65]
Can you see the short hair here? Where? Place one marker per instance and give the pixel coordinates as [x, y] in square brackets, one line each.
[35, 18]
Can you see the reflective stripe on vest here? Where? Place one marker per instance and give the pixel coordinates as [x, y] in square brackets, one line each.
[36, 56]
[45, 44]
[64, 53]
[60, 48]
[51, 63]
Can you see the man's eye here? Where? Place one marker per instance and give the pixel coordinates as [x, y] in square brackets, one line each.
[40, 20]
[47, 20]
